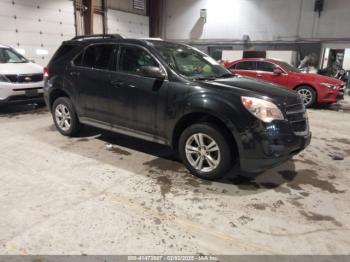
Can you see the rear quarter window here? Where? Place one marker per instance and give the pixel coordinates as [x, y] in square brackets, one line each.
[62, 51]
[78, 59]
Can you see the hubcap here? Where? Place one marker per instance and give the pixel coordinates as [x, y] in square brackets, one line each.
[202, 152]
[63, 118]
[306, 95]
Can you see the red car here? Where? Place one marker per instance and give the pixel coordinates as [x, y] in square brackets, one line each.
[313, 88]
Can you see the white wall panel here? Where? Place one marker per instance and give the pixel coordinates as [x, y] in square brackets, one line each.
[232, 55]
[127, 24]
[265, 20]
[284, 55]
[36, 24]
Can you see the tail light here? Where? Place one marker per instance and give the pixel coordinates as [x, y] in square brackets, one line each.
[46, 72]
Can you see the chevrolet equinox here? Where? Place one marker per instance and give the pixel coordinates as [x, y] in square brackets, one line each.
[175, 95]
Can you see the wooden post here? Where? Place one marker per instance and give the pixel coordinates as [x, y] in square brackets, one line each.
[155, 17]
[88, 16]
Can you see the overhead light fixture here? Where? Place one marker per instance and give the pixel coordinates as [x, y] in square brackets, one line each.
[203, 15]
[42, 52]
[319, 4]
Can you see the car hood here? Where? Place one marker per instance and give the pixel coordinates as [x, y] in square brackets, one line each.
[20, 69]
[254, 87]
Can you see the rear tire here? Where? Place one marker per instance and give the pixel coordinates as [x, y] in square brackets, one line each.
[65, 117]
[308, 95]
[205, 150]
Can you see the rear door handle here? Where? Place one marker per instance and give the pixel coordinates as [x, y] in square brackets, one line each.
[117, 83]
[74, 73]
[259, 75]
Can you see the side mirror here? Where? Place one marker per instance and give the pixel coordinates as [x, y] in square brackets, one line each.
[277, 71]
[152, 71]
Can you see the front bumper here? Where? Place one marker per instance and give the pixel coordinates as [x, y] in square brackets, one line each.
[264, 145]
[21, 92]
[284, 149]
[331, 96]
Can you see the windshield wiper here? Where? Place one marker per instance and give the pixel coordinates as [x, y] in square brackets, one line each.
[205, 78]
[226, 75]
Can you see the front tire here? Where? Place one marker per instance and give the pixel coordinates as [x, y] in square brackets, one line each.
[65, 117]
[205, 150]
[308, 95]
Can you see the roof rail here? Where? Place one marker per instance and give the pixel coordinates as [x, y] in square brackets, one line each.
[151, 38]
[83, 37]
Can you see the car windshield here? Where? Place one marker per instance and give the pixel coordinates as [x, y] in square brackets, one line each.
[8, 55]
[192, 63]
[289, 67]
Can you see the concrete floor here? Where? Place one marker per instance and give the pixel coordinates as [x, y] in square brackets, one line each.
[77, 196]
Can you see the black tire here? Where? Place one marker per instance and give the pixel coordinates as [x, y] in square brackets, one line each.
[307, 90]
[74, 121]
[223, 142]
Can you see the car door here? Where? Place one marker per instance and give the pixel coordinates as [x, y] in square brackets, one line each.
[244, 68]
[134, 97]
[265, 71]
[93, 76]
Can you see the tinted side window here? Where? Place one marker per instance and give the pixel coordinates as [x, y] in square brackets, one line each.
[233, 66]
[98, 56]
[247, 65]
[132, 58]
[266, 66]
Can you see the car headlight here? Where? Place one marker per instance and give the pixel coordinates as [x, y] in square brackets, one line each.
[3, 78]
[331, 86]
[264, 110]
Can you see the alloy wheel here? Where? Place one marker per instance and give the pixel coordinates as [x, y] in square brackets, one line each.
[306, 95]
[63, 118]
[202, 152]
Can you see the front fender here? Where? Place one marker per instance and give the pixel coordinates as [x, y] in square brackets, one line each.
[213, 105]
[224, 109]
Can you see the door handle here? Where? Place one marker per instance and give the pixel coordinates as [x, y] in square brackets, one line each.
[117, 83]
[74, 73]
[259, 75]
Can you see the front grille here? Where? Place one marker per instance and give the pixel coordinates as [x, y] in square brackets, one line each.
[296, 115]
[26, 89]
[30, 78]
[24, 97]
[299, 126]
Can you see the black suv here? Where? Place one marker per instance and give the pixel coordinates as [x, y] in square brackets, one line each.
[175, 95]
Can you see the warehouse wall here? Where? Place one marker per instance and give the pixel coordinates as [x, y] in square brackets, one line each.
[36, 27]
[262, 20]
[124, 19]
[126, 6]
[127, 24]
